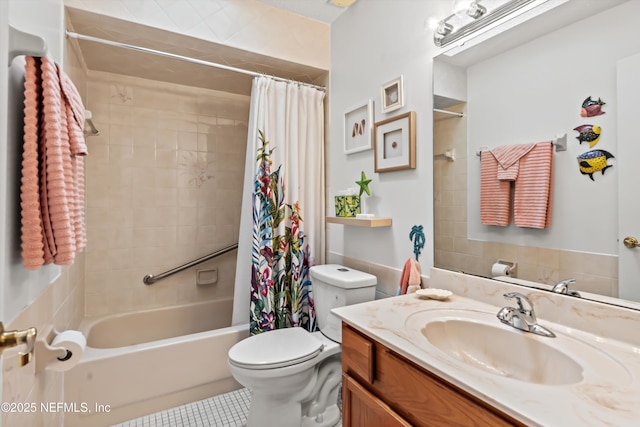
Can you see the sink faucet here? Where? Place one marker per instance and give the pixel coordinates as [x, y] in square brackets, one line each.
[562, 287]
[522, 318]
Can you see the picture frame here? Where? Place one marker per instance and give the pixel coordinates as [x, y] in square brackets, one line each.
[358, 128]
[395, 143]
[392, 95]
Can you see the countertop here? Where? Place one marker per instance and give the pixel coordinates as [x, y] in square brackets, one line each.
[605, 397]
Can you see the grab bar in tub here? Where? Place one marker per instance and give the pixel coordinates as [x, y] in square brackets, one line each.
[150, 279]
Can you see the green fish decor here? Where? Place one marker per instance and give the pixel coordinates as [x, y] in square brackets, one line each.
[594, 161]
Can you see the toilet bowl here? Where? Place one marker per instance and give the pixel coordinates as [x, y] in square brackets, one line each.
[295, 375]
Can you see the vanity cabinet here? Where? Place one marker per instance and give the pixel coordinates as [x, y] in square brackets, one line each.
[382, 388]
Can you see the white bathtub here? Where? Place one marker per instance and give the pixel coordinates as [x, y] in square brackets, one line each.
[140, 363]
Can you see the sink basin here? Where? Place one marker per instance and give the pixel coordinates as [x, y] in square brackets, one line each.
[502, 352]
[479, 340]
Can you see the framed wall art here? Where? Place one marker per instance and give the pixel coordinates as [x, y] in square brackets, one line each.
[395, 143]
[358, 128]
[392, 96]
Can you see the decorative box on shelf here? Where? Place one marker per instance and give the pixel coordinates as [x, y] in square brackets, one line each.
[347, 206]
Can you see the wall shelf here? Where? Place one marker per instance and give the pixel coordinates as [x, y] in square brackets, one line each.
[360, 222]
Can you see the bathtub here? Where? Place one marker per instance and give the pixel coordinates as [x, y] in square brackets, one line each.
[140, 363]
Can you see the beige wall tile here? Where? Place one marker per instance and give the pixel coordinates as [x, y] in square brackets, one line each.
[170, 178]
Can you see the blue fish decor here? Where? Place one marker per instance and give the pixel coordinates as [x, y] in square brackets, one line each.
[588, 133]
[594, 161]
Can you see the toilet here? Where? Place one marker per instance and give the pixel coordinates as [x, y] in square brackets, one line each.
[294, 375]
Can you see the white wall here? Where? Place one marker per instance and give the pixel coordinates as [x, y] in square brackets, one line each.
[535, 91]
[373, 42]
[19, 286]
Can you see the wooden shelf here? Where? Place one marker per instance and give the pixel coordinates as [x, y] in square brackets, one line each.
[360, 222]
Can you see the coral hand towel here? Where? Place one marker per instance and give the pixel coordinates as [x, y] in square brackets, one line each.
[533, 197]
[508, 158]
[494, 193]
[410, 278]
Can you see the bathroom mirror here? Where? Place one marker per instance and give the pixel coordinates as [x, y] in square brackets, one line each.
[528, 85]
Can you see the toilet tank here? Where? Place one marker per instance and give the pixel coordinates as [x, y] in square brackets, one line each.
[337, 286]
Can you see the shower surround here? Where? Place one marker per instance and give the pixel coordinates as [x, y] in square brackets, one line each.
[164, 184]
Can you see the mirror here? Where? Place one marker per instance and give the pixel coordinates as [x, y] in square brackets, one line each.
[527, 85]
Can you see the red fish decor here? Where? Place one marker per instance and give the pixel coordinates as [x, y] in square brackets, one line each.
[591, 108]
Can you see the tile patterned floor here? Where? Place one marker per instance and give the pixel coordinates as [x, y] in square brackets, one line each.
[226, 410]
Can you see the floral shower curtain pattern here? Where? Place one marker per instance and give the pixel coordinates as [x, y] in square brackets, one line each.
[283, 206]
[281, 294]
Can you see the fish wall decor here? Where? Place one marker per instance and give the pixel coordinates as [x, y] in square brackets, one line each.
[591, 108]
[594, 161]
[588, 133]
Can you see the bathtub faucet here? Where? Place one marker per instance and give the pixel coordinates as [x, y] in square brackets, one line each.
[14, 338]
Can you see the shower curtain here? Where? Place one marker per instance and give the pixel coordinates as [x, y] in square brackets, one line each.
[282, 220]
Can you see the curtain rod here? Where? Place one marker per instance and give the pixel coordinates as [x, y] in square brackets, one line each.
[453, 113]
[184, 58]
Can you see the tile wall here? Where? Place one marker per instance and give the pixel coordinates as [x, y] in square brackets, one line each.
[60, 305]
[164, 185]
[594, 272]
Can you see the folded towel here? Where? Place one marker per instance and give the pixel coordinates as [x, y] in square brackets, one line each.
[508, 158]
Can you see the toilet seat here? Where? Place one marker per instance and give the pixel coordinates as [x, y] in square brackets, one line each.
[275, 349]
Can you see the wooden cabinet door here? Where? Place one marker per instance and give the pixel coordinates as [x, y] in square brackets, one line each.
[363, 409]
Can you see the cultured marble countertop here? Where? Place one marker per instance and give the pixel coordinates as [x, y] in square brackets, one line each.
[600, 399]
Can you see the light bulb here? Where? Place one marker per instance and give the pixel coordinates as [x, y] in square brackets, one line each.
[460, 7]
[476, 10]
[444, 28]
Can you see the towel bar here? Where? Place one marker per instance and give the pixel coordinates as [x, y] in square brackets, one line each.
[559, 141]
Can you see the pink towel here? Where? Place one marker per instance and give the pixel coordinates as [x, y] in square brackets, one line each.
[530, 168]
[494, 194]
[410, 275]
[32, 246]
[508, 158]
[533, 197]
[75, 125]
[53, 143]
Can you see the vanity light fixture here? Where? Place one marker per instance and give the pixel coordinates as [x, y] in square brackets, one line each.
[471, 16]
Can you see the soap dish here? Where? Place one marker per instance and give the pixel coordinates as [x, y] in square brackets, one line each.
[432, 293]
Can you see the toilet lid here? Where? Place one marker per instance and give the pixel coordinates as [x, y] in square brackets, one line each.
[275, 349]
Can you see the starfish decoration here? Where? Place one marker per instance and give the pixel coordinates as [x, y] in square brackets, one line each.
[364, 184]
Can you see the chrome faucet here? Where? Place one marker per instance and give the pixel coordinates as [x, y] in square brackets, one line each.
[522, 318]
[562, 287]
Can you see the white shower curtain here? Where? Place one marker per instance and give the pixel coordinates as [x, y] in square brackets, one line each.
[285, 144]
